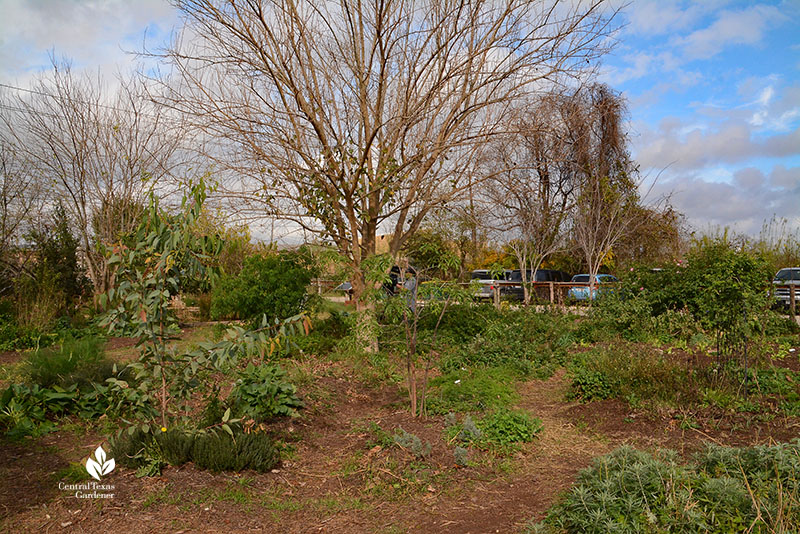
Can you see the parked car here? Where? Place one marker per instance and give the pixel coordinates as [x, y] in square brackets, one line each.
[582, 292]
[784, 278]
[488, 282]
[542, 275]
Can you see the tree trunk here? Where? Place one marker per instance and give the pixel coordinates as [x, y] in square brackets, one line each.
[366, 333]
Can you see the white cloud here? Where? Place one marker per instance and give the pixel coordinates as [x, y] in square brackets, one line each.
[767, 125]
[92, 33]
[743, 203]
[731, 142]
[745, 27]
[662, 17]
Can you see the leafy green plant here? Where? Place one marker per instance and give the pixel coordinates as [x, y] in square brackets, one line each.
[163, 253]
[16, 337]
[530, 343]
[589, 385]
[275, 286]
[472, 390]
[262, 392]
[504, 428]
[30, 410]
[625, 371]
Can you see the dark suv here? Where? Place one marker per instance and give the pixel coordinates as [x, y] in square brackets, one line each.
[783, 279]
[542, 275]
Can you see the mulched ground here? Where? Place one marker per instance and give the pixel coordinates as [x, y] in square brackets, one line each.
[340, 480]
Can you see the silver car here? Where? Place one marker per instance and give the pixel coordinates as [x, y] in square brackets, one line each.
[488, 282]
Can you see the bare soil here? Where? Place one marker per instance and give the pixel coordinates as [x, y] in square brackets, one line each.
[341, 478]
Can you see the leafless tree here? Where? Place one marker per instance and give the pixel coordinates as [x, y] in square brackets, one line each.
[533, 192]
[96, 154]
[349, 118]
[608, 200]
[20, 202]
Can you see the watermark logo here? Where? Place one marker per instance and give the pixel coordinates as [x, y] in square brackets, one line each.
[98, 466]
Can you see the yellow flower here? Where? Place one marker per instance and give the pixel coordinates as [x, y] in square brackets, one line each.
[163, 429]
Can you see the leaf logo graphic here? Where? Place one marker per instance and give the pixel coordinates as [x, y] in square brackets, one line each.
[98, 466]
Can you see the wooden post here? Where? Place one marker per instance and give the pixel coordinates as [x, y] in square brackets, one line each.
[552, 292]
[496, 296]
[791, 299]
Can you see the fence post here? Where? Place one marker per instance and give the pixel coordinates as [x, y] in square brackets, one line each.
[496, 296]
[791, 299]
[552, 293]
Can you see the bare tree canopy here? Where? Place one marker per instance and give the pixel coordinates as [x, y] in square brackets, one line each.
[607, 204]
[95, 155]
[350, 117]
[534, 181]
[20, 202]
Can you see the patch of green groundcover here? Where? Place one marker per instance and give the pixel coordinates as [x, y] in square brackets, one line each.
[215, 451]
[725, 489]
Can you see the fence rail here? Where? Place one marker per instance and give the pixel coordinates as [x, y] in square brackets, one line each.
[554, 292]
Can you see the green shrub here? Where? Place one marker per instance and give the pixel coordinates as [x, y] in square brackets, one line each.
[504, 428]
[16, 337]
[751, 489]
[472, 390]
[619, 372]
[215, 451]
[589, 385]
[128, 448]
[532, 344]
[262, 392]
[175, 446]
[222, 452]
[275, 285]
[711, 289]
[324, 335]
[75, 361]
[461, 322]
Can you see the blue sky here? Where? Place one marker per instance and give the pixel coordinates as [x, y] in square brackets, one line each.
[713, 89]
